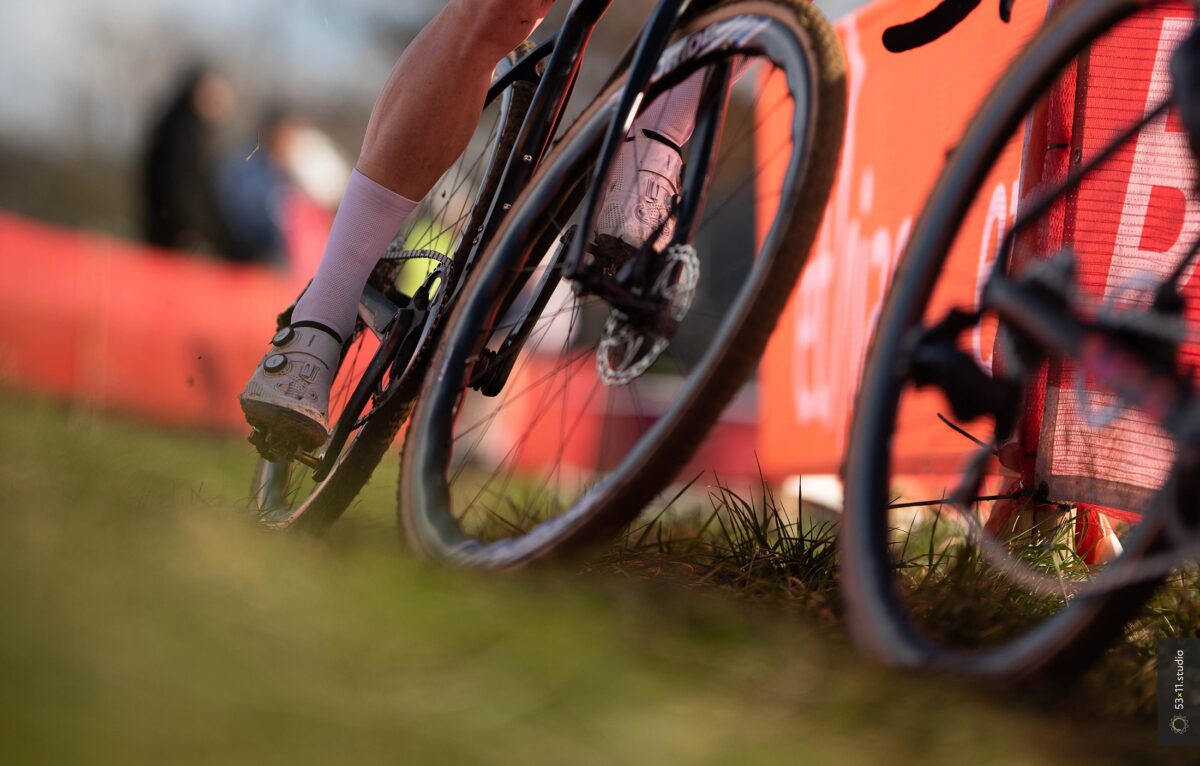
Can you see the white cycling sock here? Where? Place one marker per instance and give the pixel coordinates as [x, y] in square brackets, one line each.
[673, 115]
[366, 223]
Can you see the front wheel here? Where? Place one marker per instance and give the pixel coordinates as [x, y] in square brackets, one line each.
[519, 450]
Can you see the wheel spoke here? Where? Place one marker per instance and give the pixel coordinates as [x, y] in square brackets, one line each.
[567, 431]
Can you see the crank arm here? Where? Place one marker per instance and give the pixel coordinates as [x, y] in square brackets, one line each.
[398, 330]
[377, 312]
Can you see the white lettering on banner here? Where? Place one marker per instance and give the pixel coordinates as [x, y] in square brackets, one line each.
[1162, 180]
[841, 292]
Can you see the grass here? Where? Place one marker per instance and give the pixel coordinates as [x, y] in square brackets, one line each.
[758, 552]
[146, 620]
[750, 549]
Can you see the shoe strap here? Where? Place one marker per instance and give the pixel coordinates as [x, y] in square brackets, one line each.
[322, 327]
[654, 135]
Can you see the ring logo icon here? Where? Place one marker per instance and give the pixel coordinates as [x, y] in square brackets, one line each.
[1178, 693]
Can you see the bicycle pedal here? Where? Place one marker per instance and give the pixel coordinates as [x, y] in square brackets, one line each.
[938, 361]
[610, 253]
[308, 459]
[278, 450]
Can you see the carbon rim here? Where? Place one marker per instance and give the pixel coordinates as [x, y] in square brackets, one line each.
[427, 505]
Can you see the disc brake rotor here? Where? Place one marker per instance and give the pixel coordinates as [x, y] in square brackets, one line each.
[626, 352]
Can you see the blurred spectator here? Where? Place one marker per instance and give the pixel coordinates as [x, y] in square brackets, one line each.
[291, 159]
[252, 188]
[316, 166]
[178, 175]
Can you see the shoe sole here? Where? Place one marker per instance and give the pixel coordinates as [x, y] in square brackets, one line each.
[286, 425]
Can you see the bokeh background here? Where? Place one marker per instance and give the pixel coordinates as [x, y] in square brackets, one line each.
[84, 79]
[146, 621]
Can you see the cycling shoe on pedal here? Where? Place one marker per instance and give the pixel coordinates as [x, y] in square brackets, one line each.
[288, 395]
[640, 201]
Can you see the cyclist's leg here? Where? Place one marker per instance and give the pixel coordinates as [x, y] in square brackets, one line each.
[649, 166]
[423, 120]
[648, 170]
[430, 106]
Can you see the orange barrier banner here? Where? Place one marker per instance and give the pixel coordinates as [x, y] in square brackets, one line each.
[132, 329]
[906, 111]
[172, 338]
[1129, 225]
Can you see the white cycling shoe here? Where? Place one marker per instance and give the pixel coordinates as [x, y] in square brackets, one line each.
[640, 202]
[288, 396]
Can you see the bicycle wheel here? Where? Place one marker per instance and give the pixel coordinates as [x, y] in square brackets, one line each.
[514, 455]
[285, 494]
[1049, 475]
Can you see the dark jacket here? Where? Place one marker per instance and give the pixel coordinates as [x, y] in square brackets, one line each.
[179, 195]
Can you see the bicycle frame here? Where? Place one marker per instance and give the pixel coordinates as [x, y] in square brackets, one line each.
[570, 261]
[563, 55]
[566, 52]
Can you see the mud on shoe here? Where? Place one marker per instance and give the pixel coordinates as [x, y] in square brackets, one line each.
[287, 398]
